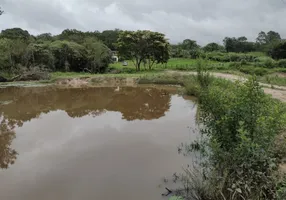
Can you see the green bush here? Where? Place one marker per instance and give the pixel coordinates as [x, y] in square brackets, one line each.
[230, 57]
[235, 65]
[282, 63]
[258, 71]
[238, 140]
[278, 51]
[265, 62]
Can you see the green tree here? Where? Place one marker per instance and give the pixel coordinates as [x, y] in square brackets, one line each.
[239, 44]
[72, 35]
[273, 36]
[6, 61]
[213, 47]
[109, 38]
[39, 55]
[188, 44]
[15, 33]
[44, 37]
[267, 41]
[69, 56]
[140, 46]
[77, 35]
[262, 38]
[229, 44]
[98, 55]
[11, 54]
[278, 51]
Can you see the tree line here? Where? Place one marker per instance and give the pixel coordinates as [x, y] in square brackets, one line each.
[71, 50]
[268, 43]
[75, 50]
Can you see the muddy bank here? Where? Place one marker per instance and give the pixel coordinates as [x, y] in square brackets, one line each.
[277, 92]
[97, 81]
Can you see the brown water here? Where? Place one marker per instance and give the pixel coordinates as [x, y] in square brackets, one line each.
[91, 143]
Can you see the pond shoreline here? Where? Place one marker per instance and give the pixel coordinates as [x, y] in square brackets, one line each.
[115, 80]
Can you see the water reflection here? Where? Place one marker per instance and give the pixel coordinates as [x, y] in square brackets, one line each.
[7, 154]
[28, 103]
[92, 143]
[19, 105]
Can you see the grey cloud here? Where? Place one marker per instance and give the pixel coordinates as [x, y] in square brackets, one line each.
[201, 20]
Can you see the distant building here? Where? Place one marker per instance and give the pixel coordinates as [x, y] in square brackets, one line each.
[114, 56]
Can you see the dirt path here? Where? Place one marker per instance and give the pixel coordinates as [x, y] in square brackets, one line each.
[277, 92]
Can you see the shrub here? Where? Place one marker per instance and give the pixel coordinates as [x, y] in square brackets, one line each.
[278, 51]
[192, 87]
[235, 65]
[230, 57]
[254, 70]
[282, 63]
[265, 61]
[243, 62]
[240, 127]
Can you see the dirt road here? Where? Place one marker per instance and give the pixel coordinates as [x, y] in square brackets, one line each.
[277, 92]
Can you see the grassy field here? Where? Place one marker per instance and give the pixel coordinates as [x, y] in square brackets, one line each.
[173, 64]
[275, 76]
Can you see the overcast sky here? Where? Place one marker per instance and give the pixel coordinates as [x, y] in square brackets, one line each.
[201, 20]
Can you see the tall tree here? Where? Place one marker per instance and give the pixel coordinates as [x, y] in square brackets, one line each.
[267, 38]
[109, 38]
[15, 34]
[45, 37]
[273, 36]
[239, 44]
[98, 54]
[140, 46]
[266, 41]
[189, 44]
[229, 44]
[73, 35]
[242, 39]
[262, 38]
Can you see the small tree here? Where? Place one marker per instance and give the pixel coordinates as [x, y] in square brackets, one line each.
[142, 46]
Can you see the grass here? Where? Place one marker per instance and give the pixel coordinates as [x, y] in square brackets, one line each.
[273, 80]
[265, 75]
[62, 75]
[182, 64]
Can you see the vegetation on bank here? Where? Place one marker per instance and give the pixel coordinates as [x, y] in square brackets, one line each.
[92, 52]
[241, 144]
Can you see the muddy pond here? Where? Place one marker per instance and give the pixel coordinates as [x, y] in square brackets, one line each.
[91, 143]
